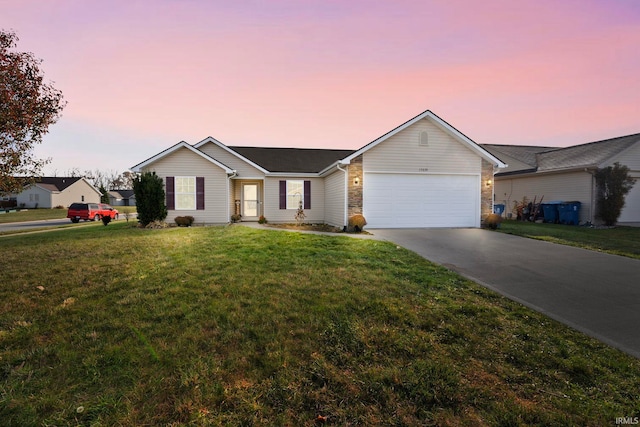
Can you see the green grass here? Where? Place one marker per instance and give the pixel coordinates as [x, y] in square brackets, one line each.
[42, 214]
[236, 326]
[32, 215]
[623, 241]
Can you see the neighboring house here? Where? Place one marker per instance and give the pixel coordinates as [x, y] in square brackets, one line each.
[423, 173]
[122, 198]
[566, 174]
[49, 192]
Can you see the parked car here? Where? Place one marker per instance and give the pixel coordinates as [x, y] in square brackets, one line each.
[90, 212]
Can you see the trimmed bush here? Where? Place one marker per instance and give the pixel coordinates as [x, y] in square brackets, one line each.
[150, 198]
[613, 184]
[492, 221]
[184, 221]
[106, 219]
[262, 220]
[356, 223]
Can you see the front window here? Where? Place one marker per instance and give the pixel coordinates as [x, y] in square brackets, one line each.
[295, 194]
[185, 192]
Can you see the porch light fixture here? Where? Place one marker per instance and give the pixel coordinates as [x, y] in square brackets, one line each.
[356, 180]
[489, 182]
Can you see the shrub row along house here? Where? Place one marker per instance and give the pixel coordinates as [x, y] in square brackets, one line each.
[567, 174]
[423, 173]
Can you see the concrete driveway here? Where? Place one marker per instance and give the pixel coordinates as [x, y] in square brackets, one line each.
[598, 294]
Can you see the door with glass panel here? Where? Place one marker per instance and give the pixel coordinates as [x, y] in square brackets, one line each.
[250, 201]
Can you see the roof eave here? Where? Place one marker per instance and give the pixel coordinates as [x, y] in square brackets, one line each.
[293, 174]
[535, 171]
[138, 168]
[230, 151]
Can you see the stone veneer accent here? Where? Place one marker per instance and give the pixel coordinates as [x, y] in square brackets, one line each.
[355, 191]
[486, 191]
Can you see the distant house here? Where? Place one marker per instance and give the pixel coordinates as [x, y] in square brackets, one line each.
[566, 174]
[122, 198]
[49, 192]
[423, 173]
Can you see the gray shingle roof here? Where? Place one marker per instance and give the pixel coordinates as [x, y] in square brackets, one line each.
[519, 158]
[56, 183]
[584, 155]
[523, 159]
[295, 160]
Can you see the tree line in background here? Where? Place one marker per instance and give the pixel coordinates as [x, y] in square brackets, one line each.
[103, 180]
[107, 179]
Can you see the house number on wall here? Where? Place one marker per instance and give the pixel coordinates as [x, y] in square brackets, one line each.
[423, 169]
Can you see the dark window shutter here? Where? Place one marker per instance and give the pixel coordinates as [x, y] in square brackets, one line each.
[283, 194]
[200, 193]
[170, 189]
[307, 194]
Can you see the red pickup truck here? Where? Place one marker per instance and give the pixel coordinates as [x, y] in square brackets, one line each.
[90, 212]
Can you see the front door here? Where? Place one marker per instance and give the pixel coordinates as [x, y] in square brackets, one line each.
[250, 201]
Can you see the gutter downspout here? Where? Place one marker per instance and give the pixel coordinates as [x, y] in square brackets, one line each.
[592, 207]
[233, 175]
[346, 194]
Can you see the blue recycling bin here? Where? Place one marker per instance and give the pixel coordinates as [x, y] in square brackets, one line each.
[569, 213]
[550, 212]
[498, 209]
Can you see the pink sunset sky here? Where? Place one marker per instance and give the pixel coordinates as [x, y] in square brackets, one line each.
[141, 75]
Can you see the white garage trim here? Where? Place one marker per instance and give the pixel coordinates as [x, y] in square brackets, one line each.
[421, 200]
[631, 210]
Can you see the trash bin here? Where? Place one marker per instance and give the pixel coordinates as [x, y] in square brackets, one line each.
[498, 209]
[550, 211]
[569, 213]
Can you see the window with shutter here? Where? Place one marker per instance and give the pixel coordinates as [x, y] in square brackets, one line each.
[170, 193]
[293, 193]
[200, 193]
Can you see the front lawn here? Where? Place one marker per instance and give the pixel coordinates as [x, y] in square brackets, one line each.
[43, 214]
[236, 326]
[623, 241]
[32, 215]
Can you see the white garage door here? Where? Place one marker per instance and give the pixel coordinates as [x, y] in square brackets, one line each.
[412, 201]
[631, 210]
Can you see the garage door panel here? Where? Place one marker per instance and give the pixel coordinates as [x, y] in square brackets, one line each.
[631, 210]
[405, 200]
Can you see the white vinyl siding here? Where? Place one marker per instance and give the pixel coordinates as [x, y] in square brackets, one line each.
[567, 187]
[34, 196]
[272, 211]
[242, 168]
[334, 199]
[50, 199]
[403, 153]
[183, 162]
[74, 193]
